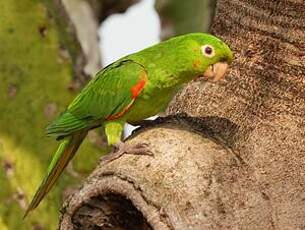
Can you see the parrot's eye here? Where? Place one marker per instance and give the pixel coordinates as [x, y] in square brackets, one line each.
[208, 51]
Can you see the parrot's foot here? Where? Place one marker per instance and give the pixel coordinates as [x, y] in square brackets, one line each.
[125, 148]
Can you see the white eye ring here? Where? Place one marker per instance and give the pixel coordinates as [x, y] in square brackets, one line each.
[208, 51]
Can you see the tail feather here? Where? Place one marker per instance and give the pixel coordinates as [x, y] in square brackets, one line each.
[63, 155]
[65, 124]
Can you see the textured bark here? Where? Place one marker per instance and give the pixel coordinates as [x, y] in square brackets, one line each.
[163, 188]
[245, 168]
[264, 96]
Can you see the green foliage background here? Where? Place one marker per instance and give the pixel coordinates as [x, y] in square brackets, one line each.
[34, 79]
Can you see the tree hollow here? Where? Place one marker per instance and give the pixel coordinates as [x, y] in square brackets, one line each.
[178, 188]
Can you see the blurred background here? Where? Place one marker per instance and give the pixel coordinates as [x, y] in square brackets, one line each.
[49, 50]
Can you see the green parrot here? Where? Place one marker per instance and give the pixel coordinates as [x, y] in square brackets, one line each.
[129, 90]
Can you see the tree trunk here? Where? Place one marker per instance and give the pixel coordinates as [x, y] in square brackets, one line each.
[45, 58]
[240, 163]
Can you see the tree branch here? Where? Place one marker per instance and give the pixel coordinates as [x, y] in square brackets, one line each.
[162, 192]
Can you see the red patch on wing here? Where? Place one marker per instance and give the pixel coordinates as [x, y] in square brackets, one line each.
[136, 89]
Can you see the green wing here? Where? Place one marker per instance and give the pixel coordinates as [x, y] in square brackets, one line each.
[109, 94]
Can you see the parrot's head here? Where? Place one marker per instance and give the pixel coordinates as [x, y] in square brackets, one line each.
[208, 55]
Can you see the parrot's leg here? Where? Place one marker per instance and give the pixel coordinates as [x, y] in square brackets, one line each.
[125, 148]
[113, 131]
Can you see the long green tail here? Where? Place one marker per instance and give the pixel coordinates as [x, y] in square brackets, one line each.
[63, 155]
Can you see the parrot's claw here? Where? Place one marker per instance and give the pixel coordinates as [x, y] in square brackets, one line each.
[125, 148]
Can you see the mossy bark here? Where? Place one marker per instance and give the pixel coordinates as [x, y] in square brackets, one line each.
[36, 70]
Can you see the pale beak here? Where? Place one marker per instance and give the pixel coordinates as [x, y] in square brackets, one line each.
[216, 71]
